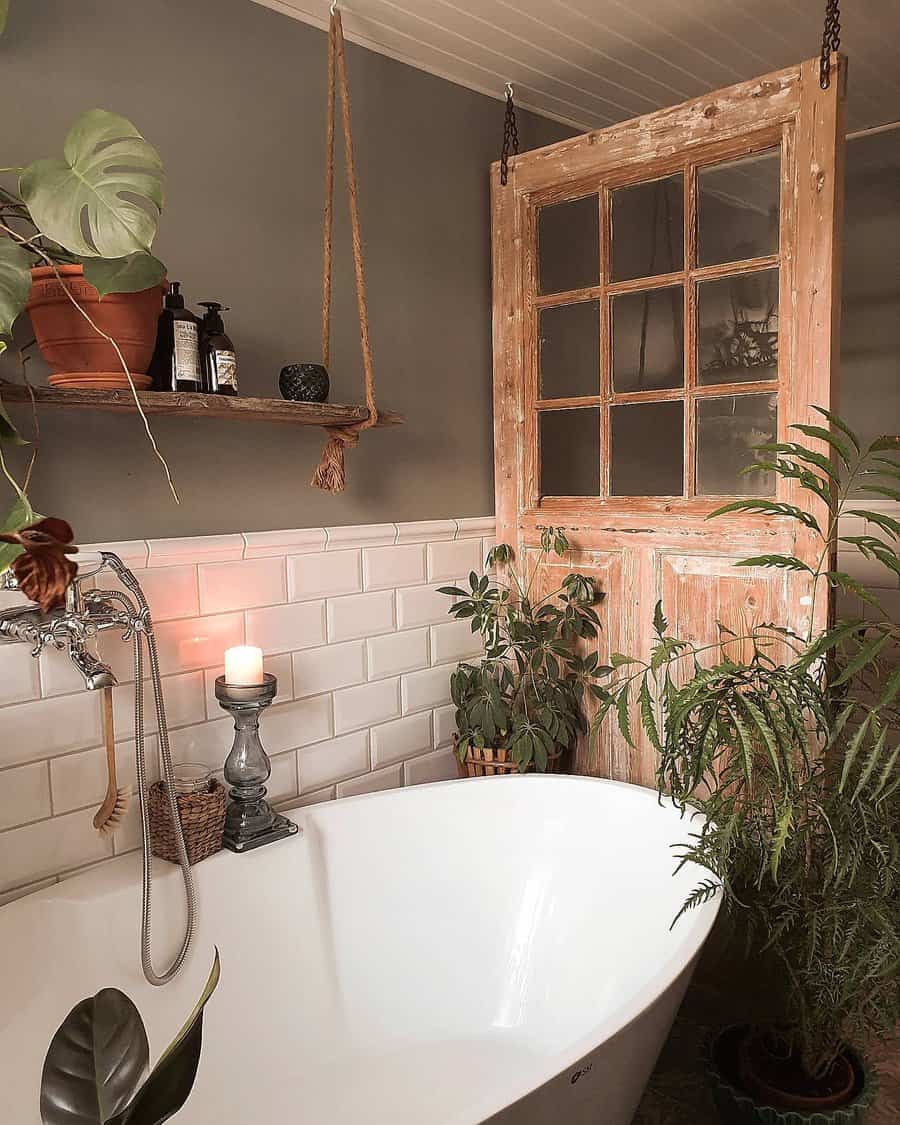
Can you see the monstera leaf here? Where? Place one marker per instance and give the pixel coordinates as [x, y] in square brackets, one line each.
[103, 198]
[99, 1055]
[15, 282]
[96, 1061]
[133, 274]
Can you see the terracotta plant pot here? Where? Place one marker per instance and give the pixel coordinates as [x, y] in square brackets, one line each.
[747, 1092]
[77, 355]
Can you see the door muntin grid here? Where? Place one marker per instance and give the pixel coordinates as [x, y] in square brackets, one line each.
[749, 357]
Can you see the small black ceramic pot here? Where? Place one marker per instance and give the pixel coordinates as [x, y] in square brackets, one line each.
[304, 382]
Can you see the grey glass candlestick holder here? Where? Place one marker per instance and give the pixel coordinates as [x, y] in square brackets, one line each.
[250, 821]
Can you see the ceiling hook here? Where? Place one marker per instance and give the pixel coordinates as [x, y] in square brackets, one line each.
[509, 89]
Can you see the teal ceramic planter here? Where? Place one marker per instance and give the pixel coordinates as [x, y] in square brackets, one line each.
[736, 1107]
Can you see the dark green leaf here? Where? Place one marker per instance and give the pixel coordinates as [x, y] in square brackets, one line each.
[171, 1080]
[783, 562]
[871, 762]
[132, 274]
[839, 424]
[622, 716]
[660, 624]
[15, 282]
[96, 1061]
[769, 507]
[866, 654]
[828, 437]
[853, 749]
[648, 719]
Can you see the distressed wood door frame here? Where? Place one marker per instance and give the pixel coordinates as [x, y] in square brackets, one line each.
[659, 535]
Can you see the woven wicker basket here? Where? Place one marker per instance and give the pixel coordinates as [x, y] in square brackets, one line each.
[490, 761]
[202, 818]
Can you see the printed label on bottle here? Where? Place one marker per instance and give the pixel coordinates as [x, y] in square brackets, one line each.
[187, 357]
[226, 368]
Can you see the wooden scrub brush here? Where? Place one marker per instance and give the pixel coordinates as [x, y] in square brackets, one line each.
[115, 804]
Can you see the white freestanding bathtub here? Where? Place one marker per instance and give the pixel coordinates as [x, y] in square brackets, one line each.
[492, 950]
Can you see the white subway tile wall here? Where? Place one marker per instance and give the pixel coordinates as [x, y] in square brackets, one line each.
[352, 626]
[350, 623]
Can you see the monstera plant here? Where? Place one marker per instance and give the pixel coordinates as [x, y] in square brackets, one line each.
[89, 215]
[96, 206]
[95, 1068]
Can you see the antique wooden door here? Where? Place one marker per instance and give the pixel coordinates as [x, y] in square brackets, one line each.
[666, 296]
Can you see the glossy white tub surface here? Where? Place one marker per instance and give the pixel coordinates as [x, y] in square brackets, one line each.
[444, 955]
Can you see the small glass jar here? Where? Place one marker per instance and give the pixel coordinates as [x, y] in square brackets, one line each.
[191, 777]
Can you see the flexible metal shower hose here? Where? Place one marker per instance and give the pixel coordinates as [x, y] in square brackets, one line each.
[145, 629]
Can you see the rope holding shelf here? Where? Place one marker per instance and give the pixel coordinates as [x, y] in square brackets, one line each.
[329, 474]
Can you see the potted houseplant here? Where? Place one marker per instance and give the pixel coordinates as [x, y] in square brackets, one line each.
[520, 707]
[76, 253]
[790, 753]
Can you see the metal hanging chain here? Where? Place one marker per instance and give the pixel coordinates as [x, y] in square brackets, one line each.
[510, 136]
[831, 40]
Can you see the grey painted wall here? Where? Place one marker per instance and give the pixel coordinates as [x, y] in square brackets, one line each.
[233, 96]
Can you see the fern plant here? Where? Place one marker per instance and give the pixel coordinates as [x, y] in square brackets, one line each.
[791, 755]
[526, 694]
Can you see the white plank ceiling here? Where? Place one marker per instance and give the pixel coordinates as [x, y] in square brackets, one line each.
[590, 63]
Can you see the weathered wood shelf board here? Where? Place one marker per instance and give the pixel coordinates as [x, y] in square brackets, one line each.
[199, 406]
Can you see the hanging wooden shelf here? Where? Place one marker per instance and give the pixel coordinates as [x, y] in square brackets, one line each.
[186, 405]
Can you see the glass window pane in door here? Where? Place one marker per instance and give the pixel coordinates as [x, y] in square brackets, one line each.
[568, 245]
[727, 430]
[739, 204]
[569, 350]
[647, 447]
[738, 328]
[570, 452]
[648, 229]
[648, 340]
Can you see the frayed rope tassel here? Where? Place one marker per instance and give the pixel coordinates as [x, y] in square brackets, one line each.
[329, 475]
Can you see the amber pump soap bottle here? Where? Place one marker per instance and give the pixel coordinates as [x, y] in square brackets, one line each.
[175, 365]
[217, 353]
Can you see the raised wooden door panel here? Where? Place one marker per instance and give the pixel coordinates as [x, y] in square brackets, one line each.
[703, 592]
[665, 298]
[602, 756]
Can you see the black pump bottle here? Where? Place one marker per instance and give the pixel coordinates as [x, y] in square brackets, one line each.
[217, 353]
[175, 365]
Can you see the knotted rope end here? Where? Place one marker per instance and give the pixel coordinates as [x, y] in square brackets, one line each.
[329, 474]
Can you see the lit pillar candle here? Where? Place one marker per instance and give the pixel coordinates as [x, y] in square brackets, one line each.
[243, 666]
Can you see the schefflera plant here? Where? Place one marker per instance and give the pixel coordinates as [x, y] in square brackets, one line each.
[788, 744]
[527, 692]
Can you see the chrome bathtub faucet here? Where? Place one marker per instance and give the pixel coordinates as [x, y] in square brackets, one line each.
[87, 612]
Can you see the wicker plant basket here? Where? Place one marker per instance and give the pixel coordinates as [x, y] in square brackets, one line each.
[202, 822]
[490, 761]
